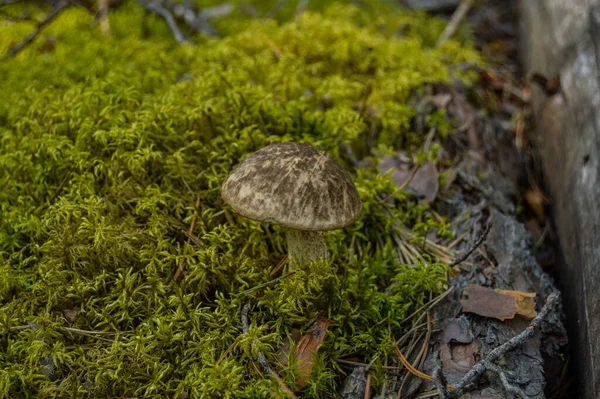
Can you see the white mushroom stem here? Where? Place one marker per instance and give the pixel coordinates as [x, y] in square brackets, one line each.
[305, 247]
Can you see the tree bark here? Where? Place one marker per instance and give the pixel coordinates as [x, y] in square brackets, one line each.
[561, 38]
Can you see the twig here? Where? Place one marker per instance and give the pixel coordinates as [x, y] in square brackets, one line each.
[261, 359]
[504, 379]
[224, 355]
[455, 21]
[103, 16]
[368, 387]
[300, 7]
[440, 383]
[281, 263]
[479, 241]
[198, 21]
[481, 366]
[71, 330]
[58, 8]
[5, 2]
[403, 185]
[159, 10]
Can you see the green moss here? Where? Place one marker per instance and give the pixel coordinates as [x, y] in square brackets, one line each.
[107, 144]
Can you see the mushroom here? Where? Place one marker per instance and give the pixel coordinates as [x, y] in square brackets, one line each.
[296, 186]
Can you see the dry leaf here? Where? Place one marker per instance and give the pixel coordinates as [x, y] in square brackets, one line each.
[498, 304]
[424, 183]
[306, 350]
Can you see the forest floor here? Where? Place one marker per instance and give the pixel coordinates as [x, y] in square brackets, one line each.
[123, 274]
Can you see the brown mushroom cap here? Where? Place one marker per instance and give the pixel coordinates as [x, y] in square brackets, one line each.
[293, 185]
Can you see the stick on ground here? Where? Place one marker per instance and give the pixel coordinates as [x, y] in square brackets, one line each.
[457, 17]
[479, 241]
[261, 359]
[481, 366]
[58, 8]
[159, 10]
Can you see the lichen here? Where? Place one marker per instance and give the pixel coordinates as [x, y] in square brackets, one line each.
[112, 147]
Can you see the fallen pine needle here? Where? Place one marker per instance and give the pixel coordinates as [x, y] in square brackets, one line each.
[368, 387]
[224, 355]
[279, 265]
[284, 387]
[410, 367]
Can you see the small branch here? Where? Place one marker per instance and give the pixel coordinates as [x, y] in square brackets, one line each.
[403, 185]
[261, 359]
[481, 366]
[440, 383]
[103, 16]
[224, 355]
[159, 10]
[504, 379]
[368, 387]
[457, 17]
[281, 263]
[197, 21]
[479, 241]
[300, 7]
[58, 8]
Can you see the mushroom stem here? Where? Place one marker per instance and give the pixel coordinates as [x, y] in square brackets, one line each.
[305, 247]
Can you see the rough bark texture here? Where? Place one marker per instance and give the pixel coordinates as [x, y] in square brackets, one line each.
[562, 38]
[355, 385]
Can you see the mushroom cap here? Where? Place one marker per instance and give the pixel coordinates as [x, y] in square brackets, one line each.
[293, 185]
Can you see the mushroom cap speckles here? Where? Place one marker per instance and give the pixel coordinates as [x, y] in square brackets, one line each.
[293, 185]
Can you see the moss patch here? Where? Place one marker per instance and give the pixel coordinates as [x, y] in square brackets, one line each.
[111, 148]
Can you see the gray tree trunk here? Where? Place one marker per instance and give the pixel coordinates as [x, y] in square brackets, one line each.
[562, 37]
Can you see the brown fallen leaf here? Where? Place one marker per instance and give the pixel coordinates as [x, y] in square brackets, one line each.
[498, 304]
[306, 350]
[424, 183]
